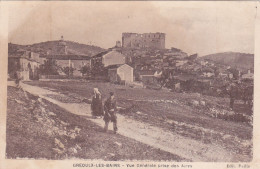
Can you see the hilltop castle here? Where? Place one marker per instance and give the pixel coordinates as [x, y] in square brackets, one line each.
[145, 40]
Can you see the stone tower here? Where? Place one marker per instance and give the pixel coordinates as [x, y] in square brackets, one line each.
[62, 47]
[145, 40]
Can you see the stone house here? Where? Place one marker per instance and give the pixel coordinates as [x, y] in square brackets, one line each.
[107, 58]
[122, 73]
[248, 75]
[65, 57]
[25, 63]
[73, 61]
[149, 76]
[100, 62]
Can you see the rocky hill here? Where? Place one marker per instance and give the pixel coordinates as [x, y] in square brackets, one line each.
[233, 59]
[43, 47]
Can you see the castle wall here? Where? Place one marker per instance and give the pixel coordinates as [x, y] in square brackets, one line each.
[146, 40]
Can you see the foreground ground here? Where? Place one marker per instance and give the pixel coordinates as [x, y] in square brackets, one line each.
[187, 114]
[39, 129]
[185, 124]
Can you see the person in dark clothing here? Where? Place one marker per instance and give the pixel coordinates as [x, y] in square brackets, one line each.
[17, 79]
[96, 104]
[110, 112]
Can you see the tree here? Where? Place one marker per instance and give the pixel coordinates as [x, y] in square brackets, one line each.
[85, 70]
[49, 67]
[68, 70]
[97, 69]
[166, 79]
[235, 73]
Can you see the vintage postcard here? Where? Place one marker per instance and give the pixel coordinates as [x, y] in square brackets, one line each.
[129, 84]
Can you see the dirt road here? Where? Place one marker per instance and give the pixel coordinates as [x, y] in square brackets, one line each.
[193, 150]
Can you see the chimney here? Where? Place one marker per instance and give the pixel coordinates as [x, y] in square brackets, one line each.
[118, 44]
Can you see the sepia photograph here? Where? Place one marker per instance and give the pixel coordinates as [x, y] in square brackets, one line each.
[149, 81]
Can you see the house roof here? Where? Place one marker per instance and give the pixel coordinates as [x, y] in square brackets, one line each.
[116, 66]
[67, 57]
[101, 54]
[113, 53]
[18, 53]
[107, 53]
[21, 54]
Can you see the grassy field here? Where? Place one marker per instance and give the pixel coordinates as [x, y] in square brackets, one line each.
[170, 111]
[40, 130]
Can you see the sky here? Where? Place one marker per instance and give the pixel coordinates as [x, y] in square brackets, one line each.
[194, 27]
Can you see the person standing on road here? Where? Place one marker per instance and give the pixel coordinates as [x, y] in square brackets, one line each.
[17, 79]
[110, 112]
[96, 104]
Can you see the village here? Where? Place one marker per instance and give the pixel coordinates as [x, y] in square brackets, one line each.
[162, 88]
[140, 61]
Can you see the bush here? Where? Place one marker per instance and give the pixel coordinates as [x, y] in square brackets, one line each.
[68, 70]
[49, 68]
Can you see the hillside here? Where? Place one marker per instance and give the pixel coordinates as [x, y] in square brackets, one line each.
[233, 59]
[43, 47]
